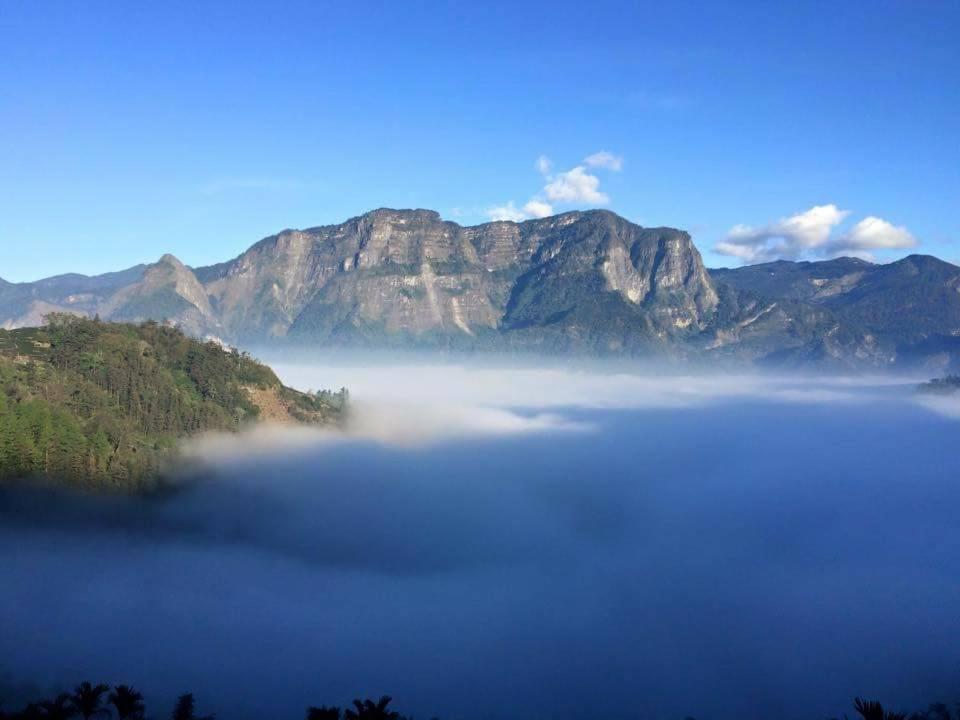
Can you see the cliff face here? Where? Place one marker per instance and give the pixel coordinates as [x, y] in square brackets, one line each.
[577, 282]
[167, 290]
[411, 273]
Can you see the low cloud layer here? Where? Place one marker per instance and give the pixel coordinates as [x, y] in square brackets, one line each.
[575, 187]
[418, 405]
[613, 545]
[812, 234]
[426, 405]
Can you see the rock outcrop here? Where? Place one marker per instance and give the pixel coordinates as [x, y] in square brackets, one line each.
[577, 282]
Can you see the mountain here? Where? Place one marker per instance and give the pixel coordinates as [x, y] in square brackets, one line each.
[911, 306]
[26, 304]
[166, 289]
[579, 282]
[103, 404]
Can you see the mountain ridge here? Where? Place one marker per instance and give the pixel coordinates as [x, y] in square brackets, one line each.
[579, 282]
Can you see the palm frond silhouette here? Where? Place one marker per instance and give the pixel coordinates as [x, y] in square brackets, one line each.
[60, 708]
[127, 702]
[873, 710]
[88, 700]
[369, 710]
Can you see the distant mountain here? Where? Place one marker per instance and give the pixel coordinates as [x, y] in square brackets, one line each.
[911, 306]
[580, 282]
[26, 304]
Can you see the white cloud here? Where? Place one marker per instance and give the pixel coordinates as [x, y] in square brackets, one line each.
[538, 209]
[506, 212]
[606, 160]
[810, 234]
[873, 233]
[790, 237]
[575, 186]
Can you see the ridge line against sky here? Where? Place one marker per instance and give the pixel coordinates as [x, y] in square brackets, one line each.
[129, 132]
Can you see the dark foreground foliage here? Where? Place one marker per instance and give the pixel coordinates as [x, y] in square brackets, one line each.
[124, 702]
[95, 403]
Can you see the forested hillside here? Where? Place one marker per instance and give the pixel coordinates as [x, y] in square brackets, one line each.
[103, 404]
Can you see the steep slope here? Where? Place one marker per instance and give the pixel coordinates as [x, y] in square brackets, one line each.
[408, 276]
[579, 282]
[784, 332]
[600, 282]
[802, 281]
[103, 404]
[911, 298]
[399, 271]
[910, 307]
[168, 290]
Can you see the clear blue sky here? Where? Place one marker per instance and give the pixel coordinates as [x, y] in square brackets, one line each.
[132, 129]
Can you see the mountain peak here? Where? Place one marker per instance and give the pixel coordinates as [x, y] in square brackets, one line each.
[924, 260]
[403, 215]
[579, 281]
[172, 260]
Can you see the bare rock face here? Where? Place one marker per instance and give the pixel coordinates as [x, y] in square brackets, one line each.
[409, 273]
[576, 282]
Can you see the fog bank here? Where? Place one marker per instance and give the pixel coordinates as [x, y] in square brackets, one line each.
[490, 544]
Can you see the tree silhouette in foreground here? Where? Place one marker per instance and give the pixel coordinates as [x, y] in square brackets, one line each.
[368, 710]
[128, 702]
[872, 710]
[60, 708]
[88, 700]
[323, 713]
[184, 709]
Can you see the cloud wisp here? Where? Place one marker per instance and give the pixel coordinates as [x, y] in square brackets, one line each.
[577, 186]
[810, 234]
[427, 405]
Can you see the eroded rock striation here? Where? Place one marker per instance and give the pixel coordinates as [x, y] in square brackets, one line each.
[589, 282]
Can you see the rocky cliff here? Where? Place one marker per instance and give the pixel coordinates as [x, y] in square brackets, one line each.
[410, 274]
[577, 282]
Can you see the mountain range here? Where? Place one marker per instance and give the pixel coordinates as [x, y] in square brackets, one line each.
[581, 282]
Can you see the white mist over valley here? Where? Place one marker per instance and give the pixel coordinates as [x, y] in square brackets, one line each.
[596, 536]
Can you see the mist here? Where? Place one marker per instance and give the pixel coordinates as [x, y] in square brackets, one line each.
[495, 542]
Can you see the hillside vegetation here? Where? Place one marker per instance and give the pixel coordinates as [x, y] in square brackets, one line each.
[103, 404]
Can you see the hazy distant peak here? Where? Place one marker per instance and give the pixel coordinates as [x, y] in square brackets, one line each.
[172, 260]
[926, 262]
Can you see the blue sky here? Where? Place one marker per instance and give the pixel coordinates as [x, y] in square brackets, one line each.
[798, 129]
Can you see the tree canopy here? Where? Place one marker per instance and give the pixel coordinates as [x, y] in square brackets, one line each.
[95, 403]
